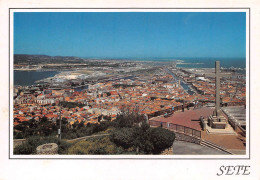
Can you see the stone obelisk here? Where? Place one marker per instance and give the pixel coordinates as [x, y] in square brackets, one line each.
[217, 76]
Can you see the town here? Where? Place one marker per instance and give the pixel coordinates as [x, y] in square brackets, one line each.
[99, 93]
[151, 93]
[154, 92]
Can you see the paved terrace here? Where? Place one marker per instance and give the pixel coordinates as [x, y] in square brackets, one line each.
[190, 118]
[232, 143]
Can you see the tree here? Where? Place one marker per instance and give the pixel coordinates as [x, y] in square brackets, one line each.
[45, 127]
[135, 137]
[128, 119]
[142, 141]
[16, 119]
[18, 136]
[123, 137]
[100, 117]
[108, 118]
[161, 139]
[75, 124]
[81, 124]
[32, 123]
[44, 119]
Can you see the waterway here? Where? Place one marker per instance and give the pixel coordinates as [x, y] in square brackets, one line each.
[28, 78]
[81, 88]
[184, 85]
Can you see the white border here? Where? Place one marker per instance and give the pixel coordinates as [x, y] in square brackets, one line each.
[161, 157]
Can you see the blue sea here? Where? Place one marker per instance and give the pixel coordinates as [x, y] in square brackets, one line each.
[210, 63]
[198, 62]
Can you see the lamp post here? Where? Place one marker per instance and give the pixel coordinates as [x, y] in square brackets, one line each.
[59, 130]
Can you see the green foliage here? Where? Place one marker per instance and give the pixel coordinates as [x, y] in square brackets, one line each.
[18, 136]
[123, 85]
[123, 137]
[29, 147]
[108, 118]
[35, 141]
[161, 139]
[126, 136]
[67, 104]
[97, 145]
[80, 130]
[46, 128]
[24, 149]
[69, 135]
[144, 139]
[21, 127]
[33, 128]
[63, 147]
[128, 119]
[135, 137]
[108, 130]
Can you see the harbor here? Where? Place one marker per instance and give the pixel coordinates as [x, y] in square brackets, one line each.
[184, 85]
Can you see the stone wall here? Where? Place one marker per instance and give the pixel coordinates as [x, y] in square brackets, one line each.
[187, 138]
[47, 149]
[17, 142]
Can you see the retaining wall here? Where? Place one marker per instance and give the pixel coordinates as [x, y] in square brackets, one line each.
[17, 142]
[186, 138]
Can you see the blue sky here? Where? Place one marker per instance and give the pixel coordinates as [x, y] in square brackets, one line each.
[131, 34]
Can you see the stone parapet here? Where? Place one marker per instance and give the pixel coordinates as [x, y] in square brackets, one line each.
[47, 149]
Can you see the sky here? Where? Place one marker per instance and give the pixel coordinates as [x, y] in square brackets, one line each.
[131, 34]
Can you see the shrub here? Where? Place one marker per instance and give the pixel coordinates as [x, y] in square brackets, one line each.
[123, 137]
[29, 147]
[23, 149]
[69, 135]
[63, 147]
[161, 139]
[97, 145]
[127, 119]
[144, 140]
[18, 136]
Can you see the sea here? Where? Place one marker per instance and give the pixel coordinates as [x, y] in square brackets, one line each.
[210, 63]
[27, 78]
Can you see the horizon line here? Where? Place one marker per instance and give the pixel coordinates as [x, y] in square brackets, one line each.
[84, 57]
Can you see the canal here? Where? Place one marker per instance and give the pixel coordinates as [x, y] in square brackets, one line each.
[184, 85]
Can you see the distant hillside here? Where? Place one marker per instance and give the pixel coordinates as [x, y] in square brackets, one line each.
[42, 59]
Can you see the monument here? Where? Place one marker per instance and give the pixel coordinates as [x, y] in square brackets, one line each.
[217, 120]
